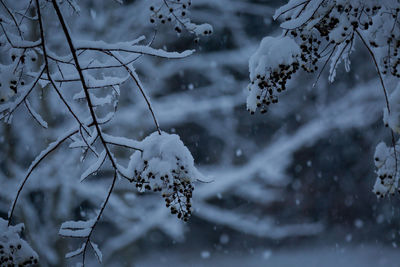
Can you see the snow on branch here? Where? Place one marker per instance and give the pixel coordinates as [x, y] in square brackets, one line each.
[165, 165]
[177, 13]
[51, 147]
[95, 166]
[129, 48]
[322, 31]
[123, 142]
[87, 80]
[76, 228]
[270, 67]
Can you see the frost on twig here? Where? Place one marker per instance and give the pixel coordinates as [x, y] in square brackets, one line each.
[14, 251]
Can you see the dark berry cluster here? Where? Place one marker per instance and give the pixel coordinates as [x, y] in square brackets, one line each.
[386, 179]
[273, 84]
[171, 11]
[22, 57]
[309, 51]
[11, 87]
[391, 62]
[178, 198]
[9, 256]
[176, 13]
[331, 28]
[12, 74]
[336, 25]
[10, 83]
[175, 185]
[385, 163]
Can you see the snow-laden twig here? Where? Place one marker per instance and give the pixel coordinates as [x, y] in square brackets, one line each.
[52, 146]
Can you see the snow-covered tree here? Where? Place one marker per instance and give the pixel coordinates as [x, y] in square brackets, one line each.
[318, 33]
[294, 173]
[91, 73]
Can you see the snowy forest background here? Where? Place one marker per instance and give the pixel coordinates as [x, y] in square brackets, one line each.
[292, 186]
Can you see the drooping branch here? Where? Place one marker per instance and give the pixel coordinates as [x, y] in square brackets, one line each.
[52, 147]
[384, 93]
[377, 69]
[97, 219]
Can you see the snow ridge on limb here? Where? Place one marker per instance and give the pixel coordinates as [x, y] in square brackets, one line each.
[95, 166]
[177, 14]
[76, 228]
[129, 48]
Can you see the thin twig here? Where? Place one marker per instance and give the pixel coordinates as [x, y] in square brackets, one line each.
[99, 215]
[138, 84]
[82, 80]
[13, 18]
[92, 113]
[324, 66]
[48, 71]
[52, 147]
[384, 92]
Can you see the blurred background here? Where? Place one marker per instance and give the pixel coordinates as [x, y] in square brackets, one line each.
[288, 188]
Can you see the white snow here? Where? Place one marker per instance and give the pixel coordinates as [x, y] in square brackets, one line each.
[13, 247]
[122, 141]
[393, 118]
[202, 29]
[76, 228]
[95, 166]
[163, 152]
[76, 252]
[288, 7]
[35, 115]
[128, 47]
[272, 52]
[97, 251]
[312, 6]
